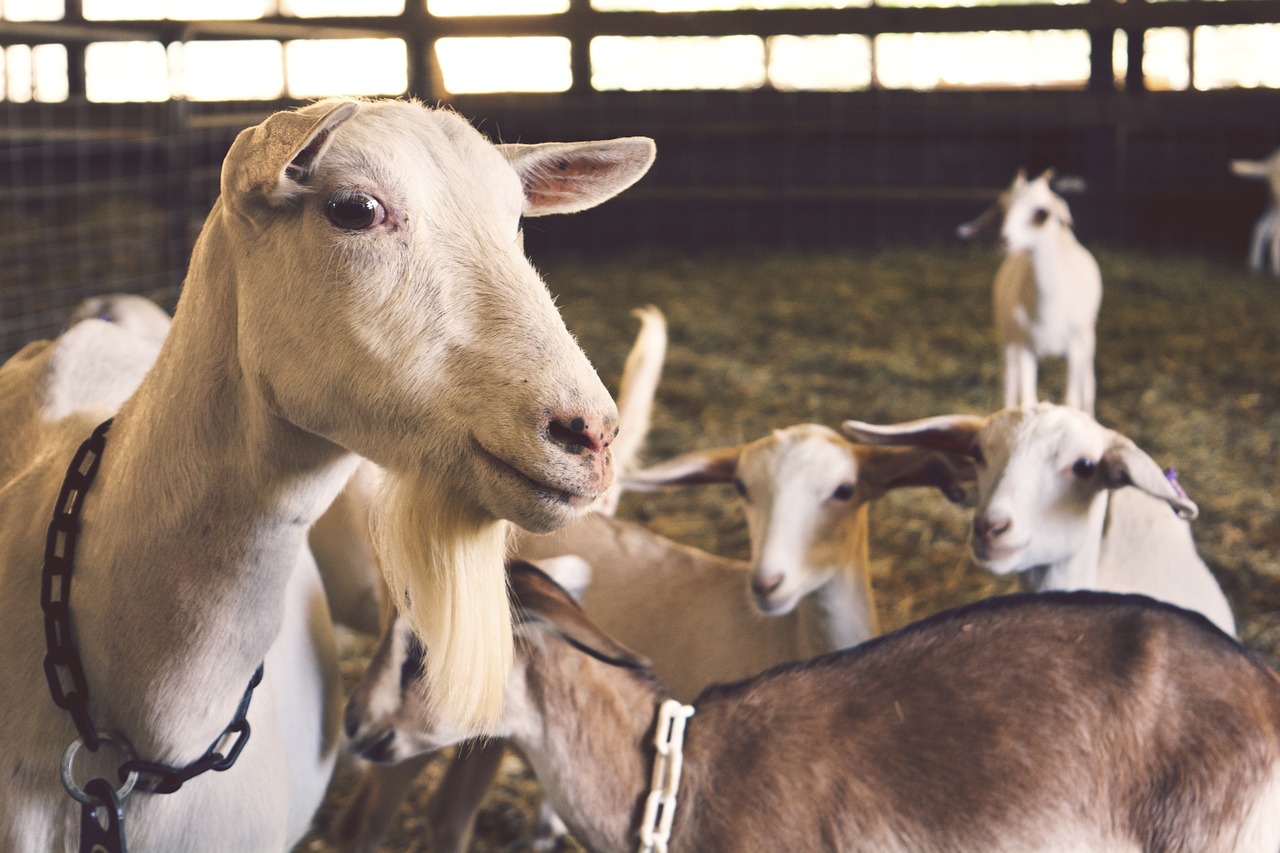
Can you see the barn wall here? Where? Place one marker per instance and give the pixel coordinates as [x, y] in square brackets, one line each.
[108, 197]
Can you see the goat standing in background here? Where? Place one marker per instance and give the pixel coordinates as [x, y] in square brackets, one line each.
[1047, 293]
[1024, 724]
[1264, 246]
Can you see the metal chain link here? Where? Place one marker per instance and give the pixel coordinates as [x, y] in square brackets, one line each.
[62, 666]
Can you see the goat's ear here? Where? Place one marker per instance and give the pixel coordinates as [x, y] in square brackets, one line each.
[1125, 464]
[1048, 175]
[689, 469]
[950, 433]
[882, 469]
[538, 598]
[565, 177]
[271, 162]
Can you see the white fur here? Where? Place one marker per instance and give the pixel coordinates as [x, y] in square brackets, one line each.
[1037, 516]
[1264, 244]
[192, 565]
[1046, 295]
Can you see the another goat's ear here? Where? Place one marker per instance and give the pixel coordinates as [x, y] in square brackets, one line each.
[566, 177]
[539, 598]
[270, 162]
[689, 469]
[950, 433]
[882, 469]
[1125, 464]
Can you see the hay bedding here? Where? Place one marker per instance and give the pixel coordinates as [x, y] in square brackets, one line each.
[1188, 366]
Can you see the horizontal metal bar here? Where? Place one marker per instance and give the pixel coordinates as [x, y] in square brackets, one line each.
[590, 23]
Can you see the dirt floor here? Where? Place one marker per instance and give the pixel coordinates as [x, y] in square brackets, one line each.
[1188, 367]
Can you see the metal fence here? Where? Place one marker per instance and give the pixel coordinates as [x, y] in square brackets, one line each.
[107, 197]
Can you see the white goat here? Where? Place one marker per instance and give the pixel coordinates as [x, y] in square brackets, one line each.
[1046, 295]
[701, 618]
[1264, 246]
[1052, 505]
[394, 229]
[135, 314]
[1066, 721]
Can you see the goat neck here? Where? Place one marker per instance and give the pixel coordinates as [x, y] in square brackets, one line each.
[586, 727]
[228, 490]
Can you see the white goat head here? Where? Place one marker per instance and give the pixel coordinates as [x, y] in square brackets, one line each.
[804, 490]
[135, 314]
[1031, 209]
[386, 305]
[1041, 472]
[391, 715]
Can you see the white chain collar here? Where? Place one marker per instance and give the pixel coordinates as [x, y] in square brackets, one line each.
[660, 805]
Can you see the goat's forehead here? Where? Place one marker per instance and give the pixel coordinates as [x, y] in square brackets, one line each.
[804, 451]
[401, 141]
[1042, 432]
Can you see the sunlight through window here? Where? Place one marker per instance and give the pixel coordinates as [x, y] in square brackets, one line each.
[314, 68]
[451, 8]
[533, 64]
[321, 8]
[222, 70]
[126, 71]
[838, 63]
[990, 59]
[683, 62]
[183, 10]
[31, 10]
[1245, 56]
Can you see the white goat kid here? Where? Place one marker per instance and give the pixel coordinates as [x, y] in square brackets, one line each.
[1054, 507]
[700, 618]
[135, 314]
[1067, 721]
[394, 229]
[1046, 296]
[1264, 245]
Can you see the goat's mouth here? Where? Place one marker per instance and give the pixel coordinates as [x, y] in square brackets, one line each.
[992, 555]
[568, 498]
[773, 604]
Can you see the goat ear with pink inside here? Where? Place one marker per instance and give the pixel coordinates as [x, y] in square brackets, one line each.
[882, 469]
[566, 177]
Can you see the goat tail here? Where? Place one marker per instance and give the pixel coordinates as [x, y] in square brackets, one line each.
[636, 392]
[445, 566]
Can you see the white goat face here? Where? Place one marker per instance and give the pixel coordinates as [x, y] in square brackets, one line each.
[385, 302]
[1033, 209]
[798, 492]
[1038, 486]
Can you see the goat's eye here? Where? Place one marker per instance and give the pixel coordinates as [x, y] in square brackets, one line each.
[1083, 468]
[1040, 216]
[740, 487]
[843, 492]
[355, 211]
[978, 456]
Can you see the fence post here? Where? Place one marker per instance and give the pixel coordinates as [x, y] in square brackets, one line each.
[578, 28]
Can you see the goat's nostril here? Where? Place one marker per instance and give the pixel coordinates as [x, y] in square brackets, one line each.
[763, 586]
[575, 436]
[991, 528]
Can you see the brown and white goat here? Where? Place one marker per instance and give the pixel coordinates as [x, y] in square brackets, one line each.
[1051, 722]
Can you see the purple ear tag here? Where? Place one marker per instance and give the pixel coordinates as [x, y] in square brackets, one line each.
[1171, 474]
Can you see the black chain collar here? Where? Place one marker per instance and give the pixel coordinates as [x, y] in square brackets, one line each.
[65, 672]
